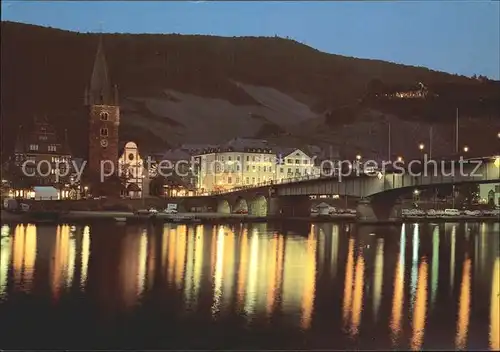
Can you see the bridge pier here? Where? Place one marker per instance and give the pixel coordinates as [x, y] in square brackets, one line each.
[378, 210]
[289, 206]
[364, 211]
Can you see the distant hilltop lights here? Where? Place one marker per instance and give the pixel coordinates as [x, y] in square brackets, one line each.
[419, 93]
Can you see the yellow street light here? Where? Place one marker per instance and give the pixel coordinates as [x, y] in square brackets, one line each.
[400, 158]
[421, 146]
[466, 149]
[358, 157]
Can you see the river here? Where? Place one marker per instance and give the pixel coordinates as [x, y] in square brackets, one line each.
[257, 286]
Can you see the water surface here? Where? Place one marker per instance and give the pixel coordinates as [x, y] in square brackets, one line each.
[319, 286]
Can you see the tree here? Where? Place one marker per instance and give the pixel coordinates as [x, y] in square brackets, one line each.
[469, 192]
[156, 186]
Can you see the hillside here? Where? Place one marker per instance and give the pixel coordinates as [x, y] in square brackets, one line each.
[185, 88]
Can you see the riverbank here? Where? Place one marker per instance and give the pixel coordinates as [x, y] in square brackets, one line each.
[210, 218]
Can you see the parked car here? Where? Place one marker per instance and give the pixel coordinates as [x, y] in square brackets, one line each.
[152, 211]
[440, 213]
[170, 211]
[452, 212]
[490, 212]
[472, 212]
[431, 212]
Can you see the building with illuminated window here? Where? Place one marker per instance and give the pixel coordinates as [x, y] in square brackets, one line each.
[490, 193]
[43, 154]
[132, 170]
[294, 163]
[240, 162]
[249, 162]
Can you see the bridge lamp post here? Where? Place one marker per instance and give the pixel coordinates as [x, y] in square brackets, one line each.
[416, 194]
[421, 147]
[466, 149]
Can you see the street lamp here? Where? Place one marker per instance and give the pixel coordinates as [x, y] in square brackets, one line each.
[358, 157]
[421, 146]
[416, 197]
[466, 149]
[400, 159]
[498, 134]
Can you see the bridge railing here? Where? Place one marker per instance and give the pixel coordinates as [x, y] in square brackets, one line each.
[253, 186]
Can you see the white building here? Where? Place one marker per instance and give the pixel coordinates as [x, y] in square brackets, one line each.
[132, 169]
[490, 193]
[249, 162]
[240, 162]
[294, 163]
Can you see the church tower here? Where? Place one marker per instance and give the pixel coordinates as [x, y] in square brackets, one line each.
[102, 105]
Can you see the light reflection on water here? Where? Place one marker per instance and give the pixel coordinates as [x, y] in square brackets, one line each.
[271, 278]
[398, 297]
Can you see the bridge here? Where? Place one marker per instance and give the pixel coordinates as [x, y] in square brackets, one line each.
[377, 193]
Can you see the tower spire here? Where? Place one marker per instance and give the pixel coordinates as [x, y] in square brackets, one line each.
[100, 91]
